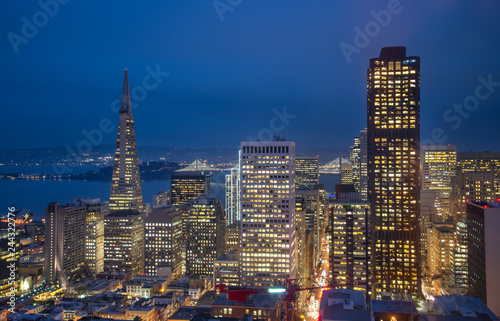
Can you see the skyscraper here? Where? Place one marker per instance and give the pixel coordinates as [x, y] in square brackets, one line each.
[481, 162]
[64, 242]
[393, 92]
[124, 242]
[350, 252]
[438, 171]
[483, 223]
[205, 229]
[306, 170]
[187, 187]
[163, 246]
[363, 166]
[268, 235]
[233, 210]
[126, 193]
[94, 233]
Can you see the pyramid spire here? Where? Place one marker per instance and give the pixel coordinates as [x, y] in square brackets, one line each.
[126, 100]
[126, 190]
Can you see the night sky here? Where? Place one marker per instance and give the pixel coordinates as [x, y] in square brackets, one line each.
[229, 69]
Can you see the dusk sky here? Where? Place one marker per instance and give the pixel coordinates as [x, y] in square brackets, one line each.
[228, 70]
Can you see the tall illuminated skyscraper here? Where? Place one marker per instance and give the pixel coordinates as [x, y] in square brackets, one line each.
[233, 210]
[393, 92]
[94, 233]
[124, 242]
[205, 229]
[268, 236]
[163, 243]
[187, 187]
[306, 170]
[438, 171]
[126, 193]
[64, 247]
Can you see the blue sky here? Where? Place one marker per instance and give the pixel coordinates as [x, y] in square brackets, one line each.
[225, 77]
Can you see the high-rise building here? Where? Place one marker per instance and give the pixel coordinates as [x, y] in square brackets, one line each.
[268, 235]
[481, 162]
[205, 228]
[94, 233]
[483, 224]
[162, 198]
[430, 201]
[441, 241]
[233, 210]
[351, 242]
[363, 166]
[126, 193]
[393, 133]
[163, 243]
[64, 243]
[472, 187]
[124, 242]
[233, 237]
[315, 218]
[187, 187]
[306, 170]
[438, 172]
[355, 158]
[459, 265]
[346, 173]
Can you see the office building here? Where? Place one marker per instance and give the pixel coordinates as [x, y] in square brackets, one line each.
[126, 192]
[363, 166]
[162, 198]
[315, 218]
[481, 162]
[94, 233]
[233, 237]
[163, 243]
[205, 228]
[227, 269]
[187, 187]
[483, 224]
[438, 172]
[351, 242]
[306, 170]
[233, 210]
[441, 242]
[473, 187]
[124, 242]
[64, 243]
[394, 170]
[459, 264]
[268, 235]
[355, 157]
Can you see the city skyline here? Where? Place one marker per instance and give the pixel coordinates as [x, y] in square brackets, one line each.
[208, 76]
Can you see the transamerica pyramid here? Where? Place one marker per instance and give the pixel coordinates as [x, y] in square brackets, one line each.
[126, 193]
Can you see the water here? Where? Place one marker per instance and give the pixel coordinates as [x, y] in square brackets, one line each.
[36, 195]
